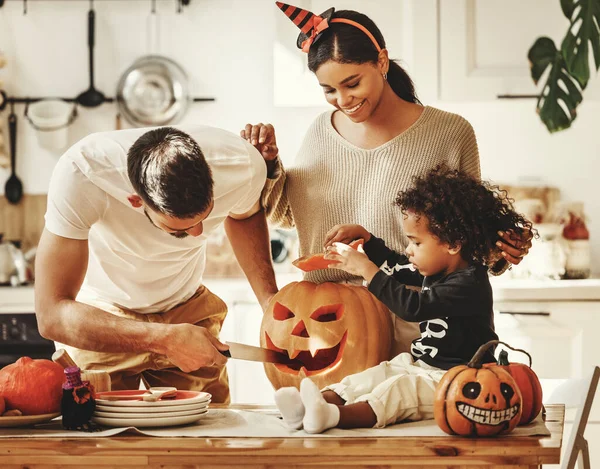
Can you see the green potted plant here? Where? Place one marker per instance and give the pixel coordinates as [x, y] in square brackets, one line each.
[569, 66]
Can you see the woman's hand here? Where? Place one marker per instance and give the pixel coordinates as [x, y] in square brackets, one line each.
[346, 234]
[354, 262]
[262, 136]
[514, 246]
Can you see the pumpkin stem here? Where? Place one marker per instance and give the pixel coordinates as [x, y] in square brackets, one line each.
[503, 358]
[478, 357]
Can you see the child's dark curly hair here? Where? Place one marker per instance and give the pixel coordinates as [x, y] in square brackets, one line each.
[463, 211]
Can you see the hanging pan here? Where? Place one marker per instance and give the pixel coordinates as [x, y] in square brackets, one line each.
[154, 90]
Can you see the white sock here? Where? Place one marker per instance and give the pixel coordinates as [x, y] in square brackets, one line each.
[290, 405]
[319, 414]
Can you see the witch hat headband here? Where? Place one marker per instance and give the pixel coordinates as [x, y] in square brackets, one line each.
[311, 25]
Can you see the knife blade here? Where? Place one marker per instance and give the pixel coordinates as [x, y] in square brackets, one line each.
[258, 354]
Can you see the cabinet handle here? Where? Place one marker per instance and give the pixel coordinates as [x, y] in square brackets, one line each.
[526, 313]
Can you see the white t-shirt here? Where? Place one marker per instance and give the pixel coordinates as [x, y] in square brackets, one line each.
[132, 263]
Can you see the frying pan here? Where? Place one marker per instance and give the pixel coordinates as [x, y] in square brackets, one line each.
[154, 90]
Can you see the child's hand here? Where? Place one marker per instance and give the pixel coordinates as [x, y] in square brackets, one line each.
[351, 261]
[346, 234]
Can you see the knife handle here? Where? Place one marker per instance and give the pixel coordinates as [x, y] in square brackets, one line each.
[227, 353]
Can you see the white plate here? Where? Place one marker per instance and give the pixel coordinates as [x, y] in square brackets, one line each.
[149, 422]
[150, 413]
[183, 397]
[154, 409]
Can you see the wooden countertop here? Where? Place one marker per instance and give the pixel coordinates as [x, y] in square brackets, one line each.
[128, 451]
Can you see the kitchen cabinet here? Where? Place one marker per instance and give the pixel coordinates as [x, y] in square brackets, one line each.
[484, 45]
[248, 381]
[562, 338]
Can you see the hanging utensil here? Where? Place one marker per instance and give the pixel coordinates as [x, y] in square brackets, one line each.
[91, 97]
[14, 188]
[154, 90]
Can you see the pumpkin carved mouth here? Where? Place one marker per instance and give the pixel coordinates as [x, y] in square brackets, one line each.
[311, 363]
[487, 416]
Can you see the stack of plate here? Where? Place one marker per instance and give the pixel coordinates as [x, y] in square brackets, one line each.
[126, 408]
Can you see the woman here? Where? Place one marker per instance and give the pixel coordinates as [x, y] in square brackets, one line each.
[357, 157]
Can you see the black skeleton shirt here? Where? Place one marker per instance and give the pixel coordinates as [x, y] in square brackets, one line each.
[454, 311]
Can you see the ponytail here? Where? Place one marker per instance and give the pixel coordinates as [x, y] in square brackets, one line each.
[401, 83]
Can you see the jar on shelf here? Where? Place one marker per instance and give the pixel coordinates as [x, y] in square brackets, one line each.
[577, 238]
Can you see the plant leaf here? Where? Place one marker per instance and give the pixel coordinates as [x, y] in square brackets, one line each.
[584, 31]
[541, 54]
[561, 94]
[567, 7]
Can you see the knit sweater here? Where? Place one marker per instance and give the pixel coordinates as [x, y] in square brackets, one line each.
[335, 182]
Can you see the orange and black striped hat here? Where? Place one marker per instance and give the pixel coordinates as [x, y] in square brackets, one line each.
[311, 25]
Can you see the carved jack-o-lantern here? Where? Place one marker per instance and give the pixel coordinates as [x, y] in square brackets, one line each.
[333, 330]
[475, 401]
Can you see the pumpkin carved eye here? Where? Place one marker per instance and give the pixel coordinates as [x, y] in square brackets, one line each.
[471, 390]
[328, 313]
[281, 313]
[507, 391]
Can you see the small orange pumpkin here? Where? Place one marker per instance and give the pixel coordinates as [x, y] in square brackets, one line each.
[471, 400]
[333, 329]
[528, 382]
[32, 386]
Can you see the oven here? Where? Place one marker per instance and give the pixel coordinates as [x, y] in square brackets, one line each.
[19, 335]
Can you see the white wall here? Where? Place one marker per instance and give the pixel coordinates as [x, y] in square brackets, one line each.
[226, 47]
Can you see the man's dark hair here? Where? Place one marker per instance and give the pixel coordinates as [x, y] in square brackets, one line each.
[168, 171]
[344, 43]
[463, 211]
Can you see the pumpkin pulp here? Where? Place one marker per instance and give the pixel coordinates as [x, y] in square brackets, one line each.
[318, 261]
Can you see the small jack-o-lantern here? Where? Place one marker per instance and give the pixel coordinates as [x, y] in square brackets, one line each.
[471, 400]
[332, 330]
[527, 380]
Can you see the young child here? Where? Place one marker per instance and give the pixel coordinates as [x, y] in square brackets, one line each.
[452, 223]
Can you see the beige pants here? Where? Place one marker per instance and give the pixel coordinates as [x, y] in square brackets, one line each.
[128, 369]
[396, 390]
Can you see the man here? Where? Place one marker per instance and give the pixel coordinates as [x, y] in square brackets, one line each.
[119, 265]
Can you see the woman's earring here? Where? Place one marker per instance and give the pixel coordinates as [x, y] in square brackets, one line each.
[385, 76]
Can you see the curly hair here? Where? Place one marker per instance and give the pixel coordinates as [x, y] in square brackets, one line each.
[463, 211]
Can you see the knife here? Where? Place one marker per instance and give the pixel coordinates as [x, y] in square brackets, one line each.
[258, 354]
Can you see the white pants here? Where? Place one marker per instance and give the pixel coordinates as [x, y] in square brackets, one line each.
[396, 390]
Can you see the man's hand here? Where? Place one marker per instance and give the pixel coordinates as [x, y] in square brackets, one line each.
[192, 347]
[346, 234]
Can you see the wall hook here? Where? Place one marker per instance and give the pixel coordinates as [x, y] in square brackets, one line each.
[24, 7]
[181, 4]
[153, 6]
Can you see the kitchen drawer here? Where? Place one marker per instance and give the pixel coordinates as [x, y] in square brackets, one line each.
[560, 335]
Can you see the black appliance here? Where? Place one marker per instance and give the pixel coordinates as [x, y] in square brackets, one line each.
[19, 337]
